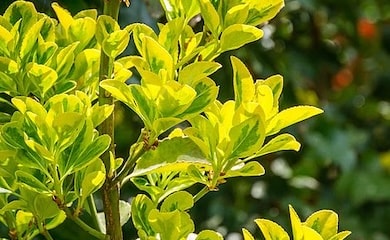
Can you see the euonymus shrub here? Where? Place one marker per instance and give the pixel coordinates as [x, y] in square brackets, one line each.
[50, 149]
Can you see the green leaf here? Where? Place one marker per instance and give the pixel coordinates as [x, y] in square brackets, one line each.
[90, 13]
[115, 43]
[275, 82]
[5, 38]
[290, 116]
[281, 142]
[244, 89]
[210, 17]
[177, 201]
[82, 30]
[174, 98]
[92, 152]
[30, 181]
[140, 209]
[236, 15]
[171, 225]
[30, 40]
[12, 135]
[237, 35]
[262, 11]
[46, 51]
[325, 222]
[92, 179]
[56, 221]
[64, 17]
[206, 93]
[13, 205]
[45, 207]
[43, 77]
[169, 36]
[7, 84]
[245, 170]
[141, 30]
[67, 126]
[157, 56]
[105, 25]
[196, 71]
[65, 59]
[271, 230]
[246, 137]
[209, 235]
[174, 154]
[21, 10]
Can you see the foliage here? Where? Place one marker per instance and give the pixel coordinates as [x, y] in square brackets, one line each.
[53, 157]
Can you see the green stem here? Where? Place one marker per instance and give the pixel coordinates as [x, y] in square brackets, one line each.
[93, 212]
[136, 152]
[84, 226]
[110, 190]
[44, 232]
[201, 193]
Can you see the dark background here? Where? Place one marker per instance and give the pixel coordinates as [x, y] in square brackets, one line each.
[332, 54]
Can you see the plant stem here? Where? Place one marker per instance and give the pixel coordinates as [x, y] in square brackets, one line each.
[93, 212]
[84, 226]
[110, 190]
[201, 193]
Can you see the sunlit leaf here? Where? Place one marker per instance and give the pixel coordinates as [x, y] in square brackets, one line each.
[291, 116]
[325, 222]
[242, 82]
[247, 235]
[157, 56]
[43, 77]
[236, 15]
[197, 71]
[171, 155]
[262, 11]
[310, 234]
[21, 10]
[115, 43]
[64, 17]
[341, 235]
[31, 181]
[105, 25]
[209, 235]
[237, 35]
[171, 225]
[271, 230]
[296, 224]
[82, 30]
[249, 169]
[279, 143]
[140, 209]
[30, 40]
[210, 17]
[177, 201]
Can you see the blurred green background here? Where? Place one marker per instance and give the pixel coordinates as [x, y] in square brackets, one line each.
[332, 54]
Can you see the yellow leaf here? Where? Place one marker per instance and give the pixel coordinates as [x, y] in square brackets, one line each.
[290, 116]
[247, 234]
[63, 16]
[310, 234]
[244, 88]
[296, 224]
[271, 230]
[325, 222]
